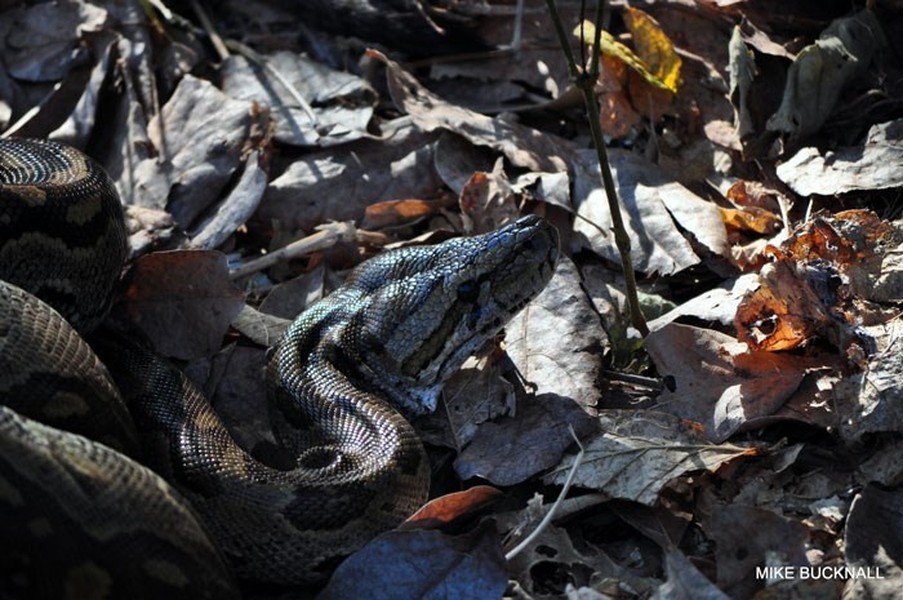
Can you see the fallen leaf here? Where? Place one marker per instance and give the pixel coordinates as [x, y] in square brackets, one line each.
[712, 379]
[450, 507]
[523, 146]
[655, 440]
[684, 581]
[541, 429]
[342, 103]
[822, 71]
[236, 208]
[183, 301]
[392, 213]
[557, 340]
[423, 564]
[338, 184]
[655, 209]
[873, 539]
[870, 166]
[748, 537]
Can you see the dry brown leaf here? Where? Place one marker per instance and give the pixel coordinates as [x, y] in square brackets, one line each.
[488, 200]
[450, 507]
[873, 539]
[557, 340]
[391, 213]
[183, 301]
[541, 429]
[655, 210]
[338, 184]
[748, 537]
[656, 441]
[713, 380]
[523, 146]
[342, 103]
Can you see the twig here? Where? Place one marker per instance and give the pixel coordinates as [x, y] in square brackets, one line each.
[585, 81]
[215, 39]
[550, 515]
[327, 237]
[253, 56]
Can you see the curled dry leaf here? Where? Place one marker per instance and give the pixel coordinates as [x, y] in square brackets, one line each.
[815, 282]
[821, 72]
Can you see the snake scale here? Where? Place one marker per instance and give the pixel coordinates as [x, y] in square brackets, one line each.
[119, 495]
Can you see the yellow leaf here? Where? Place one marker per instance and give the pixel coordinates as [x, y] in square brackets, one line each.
[612, 47]
[654, 48]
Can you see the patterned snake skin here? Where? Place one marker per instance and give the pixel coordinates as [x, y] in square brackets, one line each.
[92, 518]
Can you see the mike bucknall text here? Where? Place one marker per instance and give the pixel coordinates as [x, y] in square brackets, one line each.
[821, 572]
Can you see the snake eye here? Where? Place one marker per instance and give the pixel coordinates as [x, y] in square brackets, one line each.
[468, 291]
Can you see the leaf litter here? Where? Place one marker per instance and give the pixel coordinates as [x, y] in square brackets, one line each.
[755, 433]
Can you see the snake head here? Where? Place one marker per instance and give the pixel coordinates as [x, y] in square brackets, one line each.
[427, 309]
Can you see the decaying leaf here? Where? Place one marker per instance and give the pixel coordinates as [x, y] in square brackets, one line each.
[812, 287]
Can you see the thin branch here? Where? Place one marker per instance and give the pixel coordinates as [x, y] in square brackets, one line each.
[328, 236]
[586, 82]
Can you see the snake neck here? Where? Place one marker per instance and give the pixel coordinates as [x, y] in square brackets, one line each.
[404, 322]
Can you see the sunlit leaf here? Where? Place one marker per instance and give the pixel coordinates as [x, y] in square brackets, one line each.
[612, 47]
[654, 48]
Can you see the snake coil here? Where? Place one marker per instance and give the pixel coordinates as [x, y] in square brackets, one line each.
[386, 340]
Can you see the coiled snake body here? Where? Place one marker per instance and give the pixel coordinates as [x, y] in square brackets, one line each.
[401, 324]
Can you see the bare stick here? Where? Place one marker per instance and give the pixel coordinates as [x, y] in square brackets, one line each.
[550, 515]
[328, 236]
